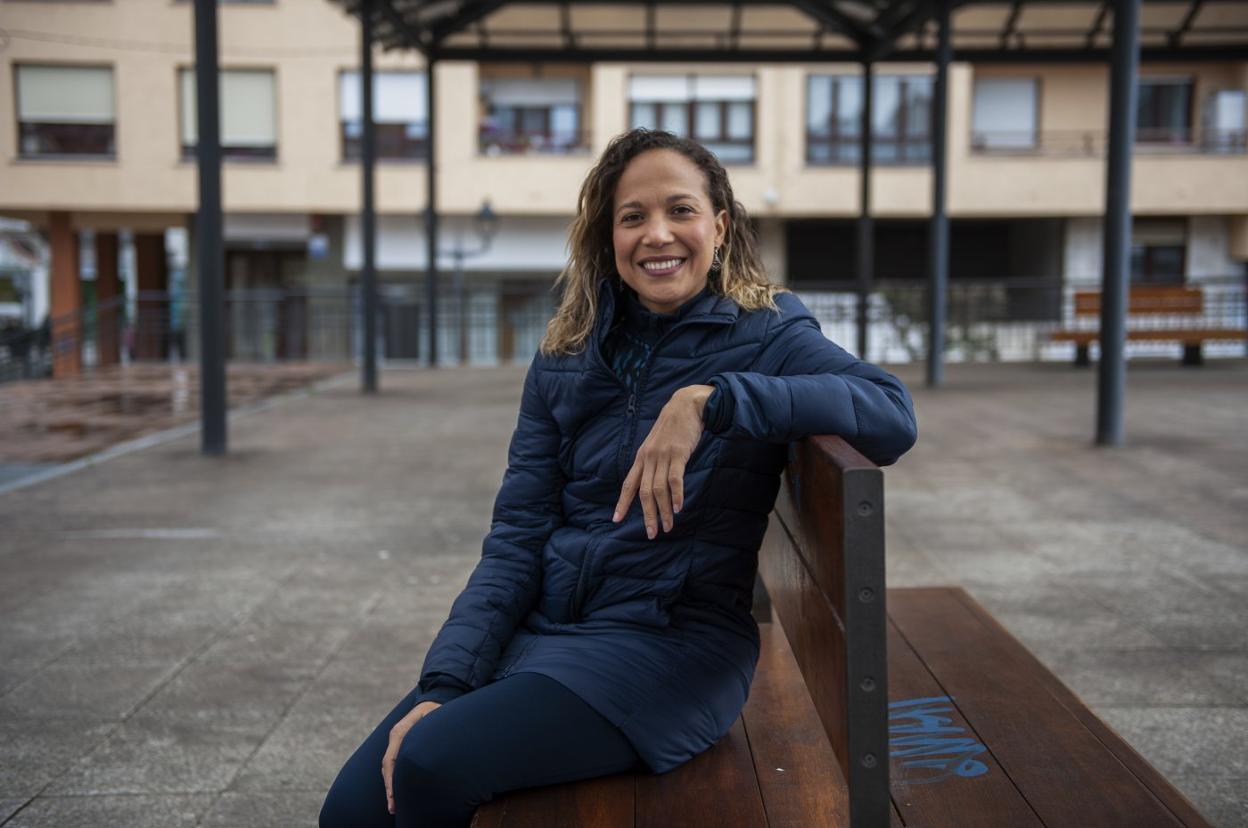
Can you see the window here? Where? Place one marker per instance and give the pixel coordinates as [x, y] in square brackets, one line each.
[900, 119]
[1004, 114]
[248, 114]
[400, 115]
[715, 110]
[1223, 118]
[1163, 113]
[530, 115]
[1158, 251]
[65, 110]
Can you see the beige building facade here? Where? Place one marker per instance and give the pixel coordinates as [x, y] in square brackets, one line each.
[99, 132]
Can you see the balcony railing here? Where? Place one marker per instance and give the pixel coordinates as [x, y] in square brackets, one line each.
[1091, 143]
[517, 142]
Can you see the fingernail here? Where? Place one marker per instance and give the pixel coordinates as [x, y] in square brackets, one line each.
[615, 518]
[650, 532]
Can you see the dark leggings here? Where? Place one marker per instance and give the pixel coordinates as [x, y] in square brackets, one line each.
[521, 731]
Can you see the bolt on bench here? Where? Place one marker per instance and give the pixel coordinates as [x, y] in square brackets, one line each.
[957, 727]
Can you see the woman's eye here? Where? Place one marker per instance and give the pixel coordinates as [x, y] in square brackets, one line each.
[631, 217]
[684, 207]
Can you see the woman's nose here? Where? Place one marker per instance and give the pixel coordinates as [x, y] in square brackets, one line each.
[657, 234]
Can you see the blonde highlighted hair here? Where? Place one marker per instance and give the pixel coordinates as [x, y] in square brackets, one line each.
[740, 276]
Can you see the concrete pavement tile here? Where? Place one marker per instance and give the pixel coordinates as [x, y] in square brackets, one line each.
[1185, 741]
[292, 643]
[1224, 802]
[1147, 678]
[265, 810]
[8, 807]
[306, 751]
[93, 691]
[144, 640]
[34, 751]
[1082, 627]
[17, 668]
[156, 756]
[1045, 612]
[1206, 628]
[251, 692]
[1144, 593]
[96, 811]
[1230, 669]
[351, 682]
[1001, 566]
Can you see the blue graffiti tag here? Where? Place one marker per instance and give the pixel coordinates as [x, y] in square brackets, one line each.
[920, 728]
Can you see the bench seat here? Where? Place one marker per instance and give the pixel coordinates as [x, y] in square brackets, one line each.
[981, 733]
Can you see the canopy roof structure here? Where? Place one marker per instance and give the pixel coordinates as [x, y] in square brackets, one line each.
[799, 30]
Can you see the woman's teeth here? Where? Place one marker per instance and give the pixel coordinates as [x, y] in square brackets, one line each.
[666, 264]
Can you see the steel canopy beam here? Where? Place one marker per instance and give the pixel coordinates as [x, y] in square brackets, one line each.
[1185, 54]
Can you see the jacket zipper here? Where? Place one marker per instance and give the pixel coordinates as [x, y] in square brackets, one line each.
[587, 563]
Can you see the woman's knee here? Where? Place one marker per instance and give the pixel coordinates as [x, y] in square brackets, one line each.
[432, 775]
[343, 809]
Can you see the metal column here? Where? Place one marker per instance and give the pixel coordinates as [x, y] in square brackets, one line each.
[866, 225]
[1112, 370]
[431, 214]
[368, 215]
[208, 253]
[938, 237]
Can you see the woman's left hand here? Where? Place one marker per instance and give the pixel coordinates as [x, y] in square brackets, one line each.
[658, 472]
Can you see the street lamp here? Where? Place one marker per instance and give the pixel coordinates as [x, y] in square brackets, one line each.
[486, 222]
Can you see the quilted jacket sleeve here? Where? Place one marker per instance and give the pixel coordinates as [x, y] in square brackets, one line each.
[802, 383]
[505, 585]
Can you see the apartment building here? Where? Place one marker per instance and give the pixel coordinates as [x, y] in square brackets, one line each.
[99, 156]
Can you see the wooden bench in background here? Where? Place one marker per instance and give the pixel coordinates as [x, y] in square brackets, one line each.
[1162, 313]
[980, 733]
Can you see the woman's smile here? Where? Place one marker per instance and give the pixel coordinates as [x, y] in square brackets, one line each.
[661, 265]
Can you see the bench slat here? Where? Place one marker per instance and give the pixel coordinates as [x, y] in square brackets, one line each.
[1193, 335]
[1158, 784]
[715, 788]
[818, 649]
[602, 802]
[1065, 770]
[933, 795]
[785, 732]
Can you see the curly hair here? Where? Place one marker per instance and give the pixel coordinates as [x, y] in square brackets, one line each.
[740, 276]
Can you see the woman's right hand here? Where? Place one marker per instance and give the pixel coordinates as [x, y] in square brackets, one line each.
[396, 738]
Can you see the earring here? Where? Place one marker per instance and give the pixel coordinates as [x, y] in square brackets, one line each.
[716, 262]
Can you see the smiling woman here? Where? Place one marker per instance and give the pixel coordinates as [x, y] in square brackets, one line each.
[666, 233]
[607, 626]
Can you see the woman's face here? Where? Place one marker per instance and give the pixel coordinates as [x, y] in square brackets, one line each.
[664, 229]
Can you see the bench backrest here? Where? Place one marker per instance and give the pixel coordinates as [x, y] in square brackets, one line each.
[823, 565]
[1146, 301]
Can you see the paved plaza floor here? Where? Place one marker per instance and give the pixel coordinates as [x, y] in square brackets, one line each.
[202, 641]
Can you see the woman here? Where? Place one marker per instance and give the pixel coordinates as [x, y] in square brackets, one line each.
[607, 626]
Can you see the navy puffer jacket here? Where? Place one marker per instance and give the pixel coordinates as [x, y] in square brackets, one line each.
[656, 635]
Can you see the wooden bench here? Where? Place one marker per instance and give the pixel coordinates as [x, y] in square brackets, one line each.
[1169, 313]
[980, 733]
